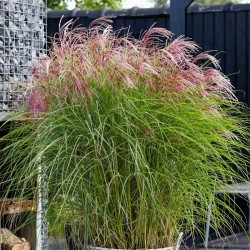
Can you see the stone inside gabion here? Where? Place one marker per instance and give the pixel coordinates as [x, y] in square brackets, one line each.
[22, 43]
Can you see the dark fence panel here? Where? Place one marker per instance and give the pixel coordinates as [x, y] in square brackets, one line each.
[222, 29]
[225, 29]
[136, 18]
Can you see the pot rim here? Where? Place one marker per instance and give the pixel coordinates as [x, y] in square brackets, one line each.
[176, 247]
[104, 248]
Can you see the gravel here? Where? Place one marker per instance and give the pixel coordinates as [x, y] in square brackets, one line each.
[22, 43]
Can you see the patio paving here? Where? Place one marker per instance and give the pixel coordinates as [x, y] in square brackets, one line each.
[234, 242]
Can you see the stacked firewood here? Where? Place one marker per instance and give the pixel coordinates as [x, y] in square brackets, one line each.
[10, 241]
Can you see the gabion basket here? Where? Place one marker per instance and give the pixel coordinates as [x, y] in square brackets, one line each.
[22, 43]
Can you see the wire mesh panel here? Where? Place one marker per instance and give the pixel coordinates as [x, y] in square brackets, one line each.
[22, 43]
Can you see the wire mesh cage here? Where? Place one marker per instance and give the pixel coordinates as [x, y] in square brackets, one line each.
[22, 43]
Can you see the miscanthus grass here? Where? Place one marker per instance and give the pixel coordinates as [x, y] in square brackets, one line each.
[134, 136]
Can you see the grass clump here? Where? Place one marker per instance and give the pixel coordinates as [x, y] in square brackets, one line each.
[134, 136]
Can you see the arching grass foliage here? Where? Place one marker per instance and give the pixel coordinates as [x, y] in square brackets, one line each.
[134, 136]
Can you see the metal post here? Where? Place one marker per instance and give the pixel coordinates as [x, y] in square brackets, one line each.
[248, 213]
[208, 223]
[42, 202]
[178, 16]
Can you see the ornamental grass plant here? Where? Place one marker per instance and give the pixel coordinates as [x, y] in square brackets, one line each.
[134, 136]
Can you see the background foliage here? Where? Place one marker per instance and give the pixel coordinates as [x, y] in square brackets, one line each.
[160, 2]
[216, 2]
[117, 4]
[85, 4]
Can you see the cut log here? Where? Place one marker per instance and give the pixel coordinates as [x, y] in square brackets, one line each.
[10, 241]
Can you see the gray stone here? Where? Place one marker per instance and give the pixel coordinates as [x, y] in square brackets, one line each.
[9, 6]
[27, 43]
[22, 41]
[4, 31]
[5, 107]
[13, 30]
[25, 71]
[14, 61]
[11, 15]
[28, 64]
[2, 96]
[12, 69]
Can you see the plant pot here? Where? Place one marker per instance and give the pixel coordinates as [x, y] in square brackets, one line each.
[176, 247]
[73, 238]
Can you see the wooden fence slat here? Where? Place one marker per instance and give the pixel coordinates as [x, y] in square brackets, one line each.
[230, 47]
[189, 25]
[219, 38]
[149, 22]
[198, 28]
[139, 26]
[168, 23]
[208, 31]
[247, 58]
[162, 22]
[118, 23]
[241, 55]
